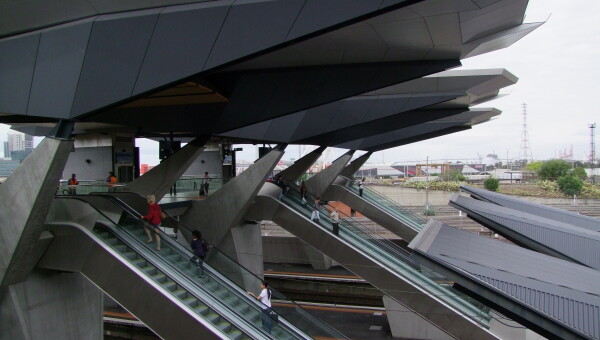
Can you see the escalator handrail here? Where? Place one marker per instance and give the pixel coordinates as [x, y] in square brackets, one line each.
[409, 214]
[396, 250]
[233, 286]
[223, 280]
[170, 271]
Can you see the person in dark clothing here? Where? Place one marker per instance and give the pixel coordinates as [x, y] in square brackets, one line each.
[303, 192]
[199, 249]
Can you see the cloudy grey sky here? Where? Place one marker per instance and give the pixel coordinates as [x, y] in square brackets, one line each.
[558, 66]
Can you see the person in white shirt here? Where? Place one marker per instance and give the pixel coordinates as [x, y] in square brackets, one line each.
[314, 216]
[361, 184]
[265, 299]
[335, 218]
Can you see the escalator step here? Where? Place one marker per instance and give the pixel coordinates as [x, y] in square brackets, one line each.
[121, 248]
[170, 285]
[139, 262]
[180, 293]
[235, 334]
[212, 318]
[224, 326]
[201, 309]
[158, 277]
[131, 255]
[190, 301]
[112, 240]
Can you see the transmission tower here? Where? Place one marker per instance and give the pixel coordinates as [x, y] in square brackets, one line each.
[525, 153]
[592, 149]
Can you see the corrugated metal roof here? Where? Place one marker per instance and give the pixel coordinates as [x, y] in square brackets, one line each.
[563, 291]
[579, 244]
[534, 208]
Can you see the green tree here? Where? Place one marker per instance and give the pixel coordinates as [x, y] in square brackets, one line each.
[453, 175]
[534, 166]
[570, 185]
[491, 184]
[579, 172]
[553, 169]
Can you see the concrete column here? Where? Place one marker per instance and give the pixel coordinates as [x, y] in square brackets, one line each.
[353, 167]
[27, 196]
[162, 177]
[317, 259]
[317, 184]
[405, 324]
[51, 305]
[302, 165]
[222, 212]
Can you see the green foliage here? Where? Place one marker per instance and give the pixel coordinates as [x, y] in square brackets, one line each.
[433, 185]
[453, 175]
[570, 185]
[534, 166]
[579, 172]
[428, 211]
[491, 184]
[553, 169]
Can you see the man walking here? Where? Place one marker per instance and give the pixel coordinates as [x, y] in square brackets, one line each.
[315, 213]
[335, 218]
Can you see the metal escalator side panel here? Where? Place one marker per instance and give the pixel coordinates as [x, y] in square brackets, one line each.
[77, 249]
[431, 308]
[340, 193]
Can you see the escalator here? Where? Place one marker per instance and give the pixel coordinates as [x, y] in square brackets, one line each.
[164, 289]
[377, 208]
[384, 264]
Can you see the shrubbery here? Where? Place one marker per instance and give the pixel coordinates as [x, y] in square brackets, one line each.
[570, 185]
[491, 184]
[554, 169]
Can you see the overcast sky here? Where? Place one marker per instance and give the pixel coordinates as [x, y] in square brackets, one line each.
[558, 66]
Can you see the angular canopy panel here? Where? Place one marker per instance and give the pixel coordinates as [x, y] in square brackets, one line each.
[542, 234]
[577, 220]
[555, 298]
[445, 90]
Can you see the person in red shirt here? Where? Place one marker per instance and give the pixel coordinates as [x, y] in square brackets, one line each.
[71, 185]
[153, 217]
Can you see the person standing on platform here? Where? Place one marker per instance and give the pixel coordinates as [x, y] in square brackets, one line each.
[111, 180]
[153, 217]
[204, 185]
[335, 218]
[315, 213]
[72, 189]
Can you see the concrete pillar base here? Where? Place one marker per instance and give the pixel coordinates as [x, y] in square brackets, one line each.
[317, 259]
[51, 305]
[405, 324]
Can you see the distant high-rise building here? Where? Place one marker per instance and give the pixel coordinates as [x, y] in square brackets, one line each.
[17, 141]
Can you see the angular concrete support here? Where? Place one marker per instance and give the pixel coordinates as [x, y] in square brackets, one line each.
[51, 305]
[244, 244]
[405, 324]
[226, 208]
[317, 259]
[30, 190]
[302, 165]
[317, 184]
[353, 167]
[158, 180]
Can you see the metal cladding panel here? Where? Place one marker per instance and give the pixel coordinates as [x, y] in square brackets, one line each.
[280, 131]
[113, 59]
[428, 135]
[387, 124]
[491, 19]
[565, 292]
[568, 217]
[17, 61]
[252, 26]
[444, 29]
[578, 244]
[351, 112]
[181, 43]
[315, 119]
[57, 70]
[317, 14]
